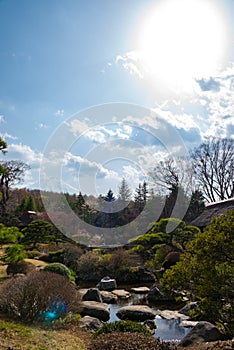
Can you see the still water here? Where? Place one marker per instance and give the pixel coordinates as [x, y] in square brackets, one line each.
[166, 329]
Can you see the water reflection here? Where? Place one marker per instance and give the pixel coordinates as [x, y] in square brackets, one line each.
[166, 329]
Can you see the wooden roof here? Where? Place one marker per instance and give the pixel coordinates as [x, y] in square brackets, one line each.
[213, 210]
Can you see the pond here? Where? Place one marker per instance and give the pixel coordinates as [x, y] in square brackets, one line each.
[166, 329]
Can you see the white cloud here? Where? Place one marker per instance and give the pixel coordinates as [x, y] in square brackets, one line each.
[5, 135]
[99, 133]
[219, 103]
[74, 162]
[78, 127]
[131, 61]
[24, 153]
[29, 156]
[2, 119]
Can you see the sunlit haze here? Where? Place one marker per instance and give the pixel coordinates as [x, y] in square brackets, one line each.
[180, 40]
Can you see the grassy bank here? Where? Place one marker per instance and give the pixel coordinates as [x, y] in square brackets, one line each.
[20, 336]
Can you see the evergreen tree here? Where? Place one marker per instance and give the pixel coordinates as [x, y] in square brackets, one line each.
[110, 196]
[196, 206]
[141, 196]
[124, 194]
[31, 204]
[39, 231]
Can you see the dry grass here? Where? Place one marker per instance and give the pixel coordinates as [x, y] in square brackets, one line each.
[36, 262]
[3, 271]
[19, 336]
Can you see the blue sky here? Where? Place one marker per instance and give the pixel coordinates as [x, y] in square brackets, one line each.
[61, 57]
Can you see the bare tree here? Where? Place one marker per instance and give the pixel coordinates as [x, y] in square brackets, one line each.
[213, 163]
[11, 173]
[172, 173]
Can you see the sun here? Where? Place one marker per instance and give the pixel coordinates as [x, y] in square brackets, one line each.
[181, 40]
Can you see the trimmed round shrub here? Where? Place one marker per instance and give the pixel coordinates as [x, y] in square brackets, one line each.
[123, 326]
[59, 269]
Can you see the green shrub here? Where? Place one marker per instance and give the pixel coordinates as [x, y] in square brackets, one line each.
[138, 248]
[89, 267]
[122, 326]
[206, 272]
[15, 253]
[59, 269]
[54, 257]
[66, 322]
[31, 254]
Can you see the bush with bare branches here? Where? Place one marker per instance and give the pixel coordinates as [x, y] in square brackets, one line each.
[38, 294]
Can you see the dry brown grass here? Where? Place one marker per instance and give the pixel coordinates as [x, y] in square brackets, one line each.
[36, 262]
[19, 336]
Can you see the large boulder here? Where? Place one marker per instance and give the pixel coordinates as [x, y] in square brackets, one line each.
[108, 297]
[89, 323]
[172, 315]
[92, 294]
[156, 294]
[95, 309]
[138, 313]
[107, 283]
[202, 332]
[121, 293]
[140, 290]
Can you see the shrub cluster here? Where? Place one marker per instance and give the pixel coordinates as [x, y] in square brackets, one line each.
[129, 341]
[39, 292]
[92, 266]
[122, 326]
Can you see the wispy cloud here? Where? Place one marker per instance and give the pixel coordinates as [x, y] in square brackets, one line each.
[132, 62]
[5, 135]
[219, 103]
[100, 133]
[86, 166]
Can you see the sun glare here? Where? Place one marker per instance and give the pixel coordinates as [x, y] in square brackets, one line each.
[181, 40]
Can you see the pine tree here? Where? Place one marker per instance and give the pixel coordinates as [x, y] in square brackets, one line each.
[110, 196]
[141, 196]
[31, 205]
[124, 194]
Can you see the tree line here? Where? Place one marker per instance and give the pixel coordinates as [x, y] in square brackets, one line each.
[205, 176]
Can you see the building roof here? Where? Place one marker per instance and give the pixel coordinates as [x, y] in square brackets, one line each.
[213, 210]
